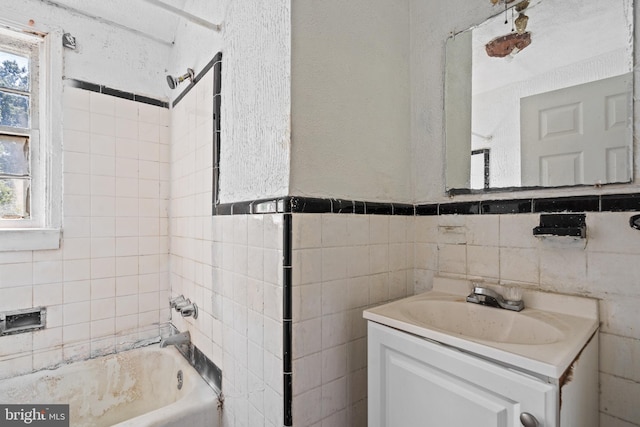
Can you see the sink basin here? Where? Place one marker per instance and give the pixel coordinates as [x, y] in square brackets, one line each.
[481, 322]
[545, 337]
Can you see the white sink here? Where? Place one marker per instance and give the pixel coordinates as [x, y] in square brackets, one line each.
[482, 322]
[545, 337]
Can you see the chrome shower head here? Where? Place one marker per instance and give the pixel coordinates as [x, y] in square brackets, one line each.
[173, 82]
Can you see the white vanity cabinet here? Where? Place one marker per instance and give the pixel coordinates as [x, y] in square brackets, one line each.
[419, 376]
[415, 382]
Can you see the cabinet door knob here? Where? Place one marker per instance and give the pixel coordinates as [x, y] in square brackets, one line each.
[528, 420]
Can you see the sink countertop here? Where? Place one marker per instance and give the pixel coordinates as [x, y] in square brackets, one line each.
[573, 319]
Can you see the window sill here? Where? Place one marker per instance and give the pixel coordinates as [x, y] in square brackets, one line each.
[29, 239]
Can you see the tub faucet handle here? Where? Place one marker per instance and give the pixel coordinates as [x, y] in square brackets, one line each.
[190, 310]
[177, 301]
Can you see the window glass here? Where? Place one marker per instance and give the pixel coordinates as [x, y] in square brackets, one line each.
[14, 71]
[15, 83]
[14, 110]
[14, 155]
[15, 182]
[14, 197]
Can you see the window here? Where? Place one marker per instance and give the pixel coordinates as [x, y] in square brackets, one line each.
[30, 140]
[18, 126]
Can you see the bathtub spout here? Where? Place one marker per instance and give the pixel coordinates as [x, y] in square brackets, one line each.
[177, 339]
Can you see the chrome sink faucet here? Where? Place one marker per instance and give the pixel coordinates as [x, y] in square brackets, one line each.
[486, 296]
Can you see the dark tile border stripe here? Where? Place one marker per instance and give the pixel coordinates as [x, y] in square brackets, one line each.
[294, 204]
[287, 318]
[115, 92]
[568, 204]
[619, 203]
[598, 203]
[461, 208]
[506, 206]
[196, 79]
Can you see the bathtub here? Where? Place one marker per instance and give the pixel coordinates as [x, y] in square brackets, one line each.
[133, 388]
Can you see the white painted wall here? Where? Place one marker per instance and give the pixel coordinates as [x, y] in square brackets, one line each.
[105, 54]
[256, 106]
[195, 45]
[350, 100]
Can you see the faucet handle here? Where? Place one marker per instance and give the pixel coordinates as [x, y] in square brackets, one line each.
[513, 293]
[177, 301]
[189, 310]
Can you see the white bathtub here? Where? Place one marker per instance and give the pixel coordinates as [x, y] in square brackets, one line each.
[133, 388]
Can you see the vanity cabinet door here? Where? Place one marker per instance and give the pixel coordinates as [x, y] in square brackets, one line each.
[414, 382]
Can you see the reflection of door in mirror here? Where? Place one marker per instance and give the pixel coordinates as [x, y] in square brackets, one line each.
[574, 44]
[577, 135]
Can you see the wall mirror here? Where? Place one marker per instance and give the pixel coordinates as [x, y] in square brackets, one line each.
[541, 95]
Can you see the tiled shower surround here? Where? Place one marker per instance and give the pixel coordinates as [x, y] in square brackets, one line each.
[105, 288]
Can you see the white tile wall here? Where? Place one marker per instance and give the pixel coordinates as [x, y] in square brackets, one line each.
[113, 242]
[249, 290]
[502, 249]
[231, 266]
[342, 264]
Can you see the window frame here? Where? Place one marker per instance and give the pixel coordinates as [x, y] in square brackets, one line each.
[44, 229]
